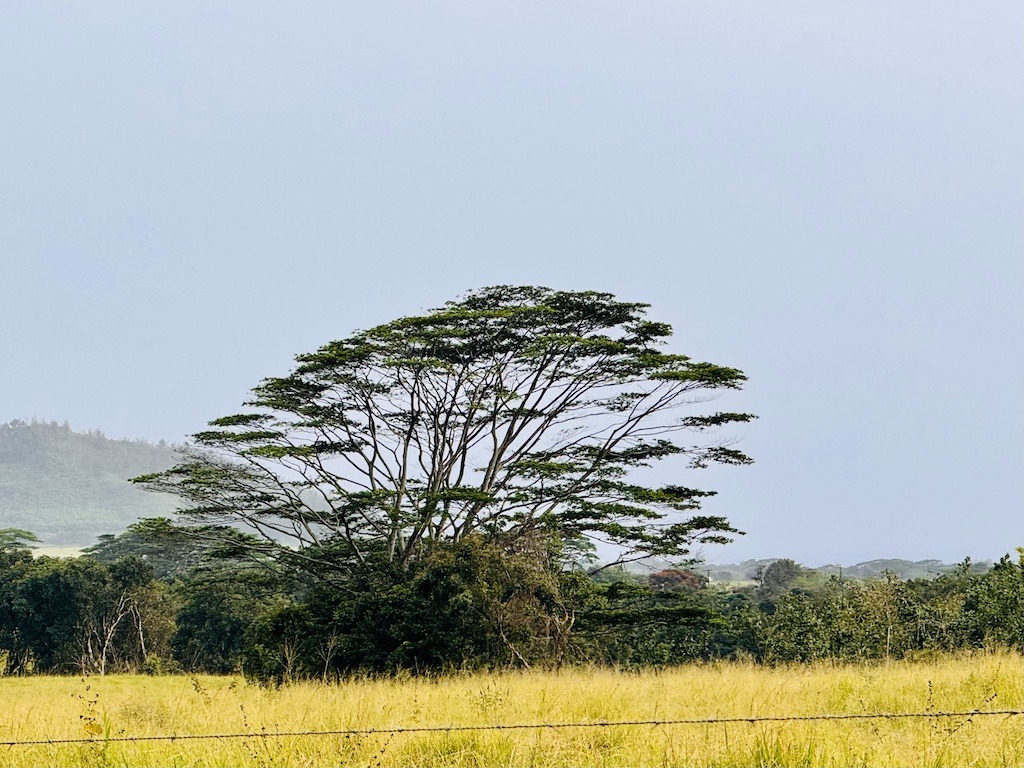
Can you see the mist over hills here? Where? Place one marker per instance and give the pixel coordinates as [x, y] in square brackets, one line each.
[69, 487]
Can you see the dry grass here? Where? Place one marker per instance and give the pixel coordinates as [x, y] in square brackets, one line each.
[52, 707]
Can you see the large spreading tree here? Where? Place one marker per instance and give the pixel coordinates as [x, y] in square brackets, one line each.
[515, 414]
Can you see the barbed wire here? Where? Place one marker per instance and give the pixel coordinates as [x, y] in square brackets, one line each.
[753, 719]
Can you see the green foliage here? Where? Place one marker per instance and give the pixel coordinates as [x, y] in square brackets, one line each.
[463, 604]
[17, 540]
[777, 578]
[481, 602]
[998, 603]
[793, 631]
[77, 615]
[168, 550]
[219, 607]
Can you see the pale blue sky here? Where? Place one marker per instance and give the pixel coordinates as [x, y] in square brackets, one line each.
[829, 196]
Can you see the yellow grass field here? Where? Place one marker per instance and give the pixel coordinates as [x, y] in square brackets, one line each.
[34, 708]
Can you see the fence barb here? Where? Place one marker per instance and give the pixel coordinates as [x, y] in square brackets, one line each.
[753, 719]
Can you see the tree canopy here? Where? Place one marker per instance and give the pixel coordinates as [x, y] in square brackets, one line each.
[518, 413]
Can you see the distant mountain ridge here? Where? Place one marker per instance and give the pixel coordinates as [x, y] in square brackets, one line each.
[733, 573]
[69, 487]
[904, 569]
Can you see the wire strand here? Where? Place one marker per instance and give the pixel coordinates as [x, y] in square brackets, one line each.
[519, 726]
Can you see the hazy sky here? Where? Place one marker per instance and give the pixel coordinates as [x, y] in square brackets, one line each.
[829, 196]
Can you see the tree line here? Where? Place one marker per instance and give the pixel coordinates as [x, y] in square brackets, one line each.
[152, 601]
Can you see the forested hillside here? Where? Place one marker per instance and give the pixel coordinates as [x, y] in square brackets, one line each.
[68, 487]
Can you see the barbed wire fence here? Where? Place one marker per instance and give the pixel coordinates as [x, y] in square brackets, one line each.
[968, 715]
